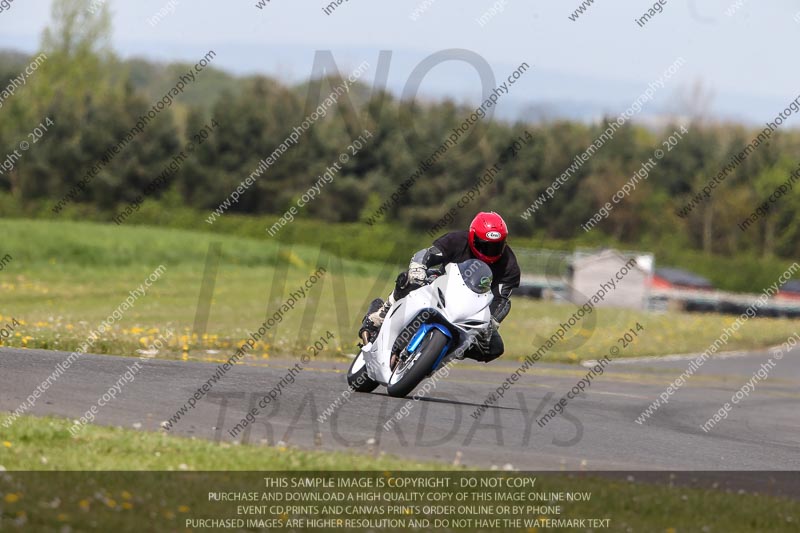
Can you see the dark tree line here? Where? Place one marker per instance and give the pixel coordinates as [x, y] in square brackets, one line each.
[94, 99]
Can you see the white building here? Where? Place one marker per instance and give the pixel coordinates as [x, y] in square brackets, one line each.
[627, 286]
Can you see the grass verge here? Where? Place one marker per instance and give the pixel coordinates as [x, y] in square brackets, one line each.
[121, 501]
[44, 443]
[65, 278]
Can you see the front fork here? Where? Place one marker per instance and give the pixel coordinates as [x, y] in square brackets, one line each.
[420, 334]
[365, 337]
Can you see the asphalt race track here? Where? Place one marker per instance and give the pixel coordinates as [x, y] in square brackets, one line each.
[598, 431]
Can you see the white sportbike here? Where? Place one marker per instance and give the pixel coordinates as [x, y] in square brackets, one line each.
[426, 329]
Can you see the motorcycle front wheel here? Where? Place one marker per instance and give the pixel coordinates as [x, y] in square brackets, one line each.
[411, 371]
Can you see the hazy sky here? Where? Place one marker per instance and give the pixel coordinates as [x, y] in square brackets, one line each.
[747, 58]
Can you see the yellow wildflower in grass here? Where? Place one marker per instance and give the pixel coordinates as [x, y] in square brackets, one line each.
[62, 517]
[7, 444]
[84, 505]
[127, 506]
[11, 498]
[183, 509]
[126, 495]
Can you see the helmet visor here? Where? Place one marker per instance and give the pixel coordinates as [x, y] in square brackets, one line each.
[490, 248]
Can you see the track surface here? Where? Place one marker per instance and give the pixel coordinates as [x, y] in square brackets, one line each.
[598, 433]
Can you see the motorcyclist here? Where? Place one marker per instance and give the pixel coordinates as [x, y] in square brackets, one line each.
[485, 240]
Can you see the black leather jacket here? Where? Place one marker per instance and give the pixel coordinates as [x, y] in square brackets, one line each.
[454, 247]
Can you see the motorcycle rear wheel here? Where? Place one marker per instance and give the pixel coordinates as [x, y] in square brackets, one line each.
[357, 377]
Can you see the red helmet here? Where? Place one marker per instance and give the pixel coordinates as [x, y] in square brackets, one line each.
[487, 236]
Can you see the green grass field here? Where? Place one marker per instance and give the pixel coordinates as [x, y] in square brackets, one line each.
[110, 501]
[45, 443]
[65, 278]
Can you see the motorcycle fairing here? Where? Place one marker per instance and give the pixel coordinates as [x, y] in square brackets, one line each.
[451, 299]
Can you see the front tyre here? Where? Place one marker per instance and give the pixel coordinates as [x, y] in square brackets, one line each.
[408, 374]
[357, 377]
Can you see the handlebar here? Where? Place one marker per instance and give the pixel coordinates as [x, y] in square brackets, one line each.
[431, 275]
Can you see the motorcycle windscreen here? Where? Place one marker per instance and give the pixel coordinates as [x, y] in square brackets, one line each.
[477, 275]
[465, 299]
